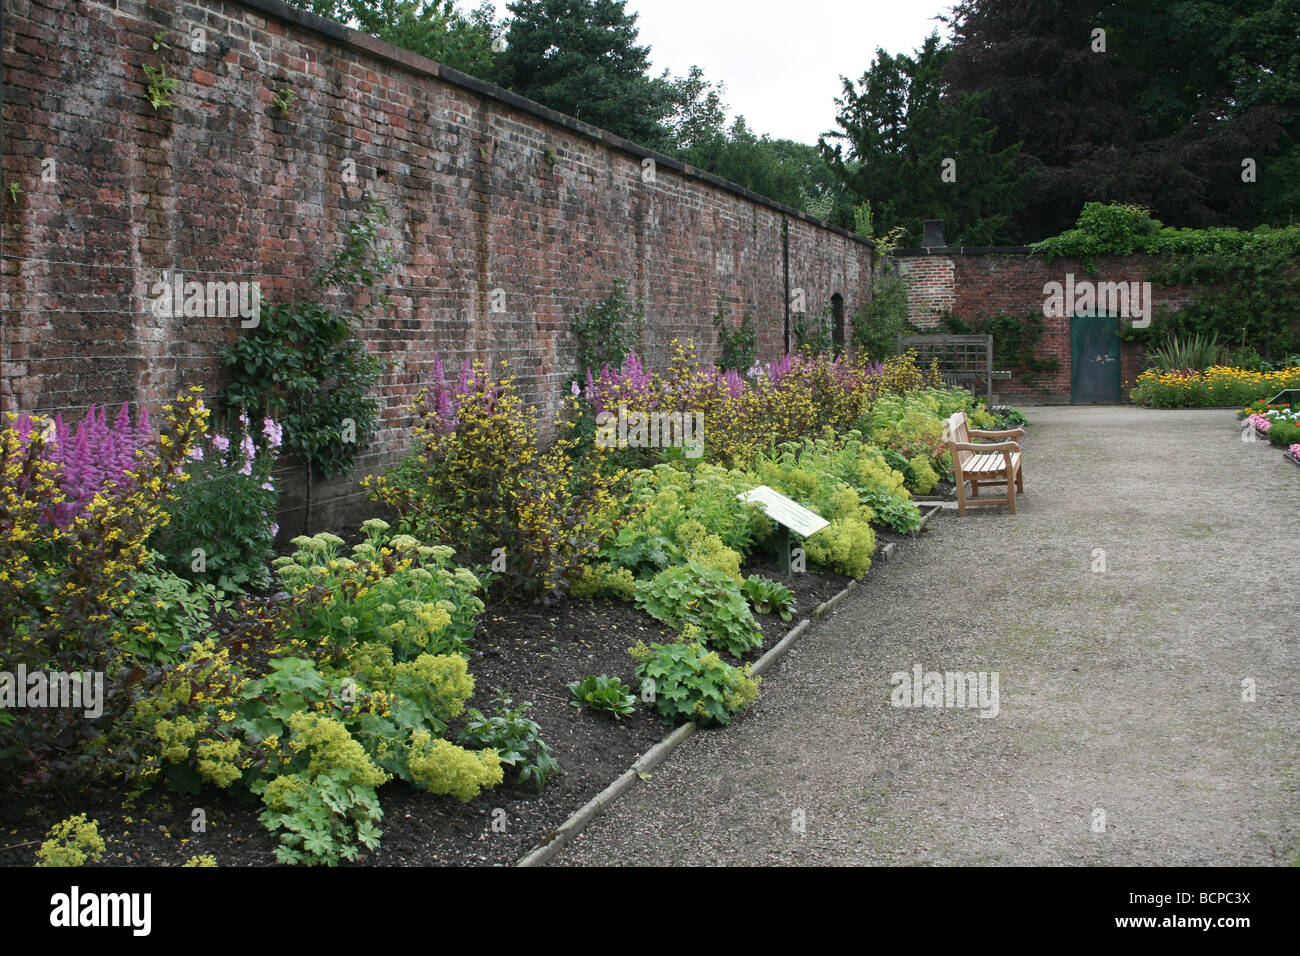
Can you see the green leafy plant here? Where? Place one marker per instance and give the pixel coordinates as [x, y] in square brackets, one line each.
[328, 810]
[1193, 352]
[159, 43]
[770, 597]
[305, 366]
[71, 842]
[609, 330]
[160, 87]
[1016, 339]
[284, 100]
[706, 596]
[516, 740]
[689, 682]
[167, 612]
[14, 191]
[392, 590]
[881, 320]
[812, 331]
[738, 347]
[603, 693]
[222, 524]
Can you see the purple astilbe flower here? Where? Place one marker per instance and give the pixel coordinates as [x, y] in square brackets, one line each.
[98, 457]
[733, 383]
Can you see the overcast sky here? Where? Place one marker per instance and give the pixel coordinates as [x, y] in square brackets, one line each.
[781, 62]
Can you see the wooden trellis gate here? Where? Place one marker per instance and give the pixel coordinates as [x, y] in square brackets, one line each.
[965, 361]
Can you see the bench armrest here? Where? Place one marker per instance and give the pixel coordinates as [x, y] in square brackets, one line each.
[1007, 446]
[1009, 433]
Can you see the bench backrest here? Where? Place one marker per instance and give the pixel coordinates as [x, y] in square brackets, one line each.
[955, 429]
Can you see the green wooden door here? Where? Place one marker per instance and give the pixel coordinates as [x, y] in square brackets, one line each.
[1094, 359]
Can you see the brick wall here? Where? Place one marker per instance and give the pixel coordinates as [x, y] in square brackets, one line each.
[975, 283]
[484, 190]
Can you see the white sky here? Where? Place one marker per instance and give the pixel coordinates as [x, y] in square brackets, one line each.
[781, 62]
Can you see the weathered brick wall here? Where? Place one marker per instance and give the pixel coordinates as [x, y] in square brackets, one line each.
[484, 191]
[970, 284]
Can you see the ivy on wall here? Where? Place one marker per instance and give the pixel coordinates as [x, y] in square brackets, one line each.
[1245, 284]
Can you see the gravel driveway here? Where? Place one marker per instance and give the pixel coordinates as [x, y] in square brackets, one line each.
[1121, 734]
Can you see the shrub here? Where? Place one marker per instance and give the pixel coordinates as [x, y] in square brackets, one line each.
[879, 323]
[809, 475]
[705, 596]
[315, 700]
[393, 591]
[65, 575]
[71, 842]
[609, 330]
[689, 682]
[166, 612]
[516, 741]
[737, 348]
[476, 477]
[603, 693]
[329, 806]
[924, 478]
[222, 524]
[304, 364]
[666, 506]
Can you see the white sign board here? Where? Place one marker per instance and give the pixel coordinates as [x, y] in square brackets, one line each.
[785, 511]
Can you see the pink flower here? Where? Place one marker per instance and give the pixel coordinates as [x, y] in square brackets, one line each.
[1295, 451]
[268, 486]
[195, 453]
[220, 443]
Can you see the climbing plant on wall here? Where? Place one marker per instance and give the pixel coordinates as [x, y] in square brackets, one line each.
[305, 365]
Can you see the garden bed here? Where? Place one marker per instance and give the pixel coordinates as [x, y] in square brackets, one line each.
[528, 652]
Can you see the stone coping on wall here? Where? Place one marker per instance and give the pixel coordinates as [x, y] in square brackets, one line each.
[383, 50]
[964, 251]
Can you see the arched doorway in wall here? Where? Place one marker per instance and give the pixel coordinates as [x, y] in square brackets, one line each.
[837, 323]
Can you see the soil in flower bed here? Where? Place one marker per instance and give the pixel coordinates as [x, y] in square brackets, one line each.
[530, 653]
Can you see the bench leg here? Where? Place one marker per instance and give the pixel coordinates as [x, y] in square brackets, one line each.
[1020, 479]
[961, 496]
[974, 489]
[1011, 494]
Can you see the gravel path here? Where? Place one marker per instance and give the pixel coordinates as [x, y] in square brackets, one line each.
[1119, 691]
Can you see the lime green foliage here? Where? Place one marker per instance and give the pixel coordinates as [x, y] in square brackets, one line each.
[693, 683]
[770, 597]
[603, 580]
[443, 768]
[810, 474]
[330, 806]
[393, 590]
[204, 860]
[71, 842]
[663, 498]
[516, 740]
[701, 594]
[326, 697]
[165, 612]
[925, 477]
[603, 693]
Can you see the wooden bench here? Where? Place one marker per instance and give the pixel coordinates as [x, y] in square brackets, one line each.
[983, 464]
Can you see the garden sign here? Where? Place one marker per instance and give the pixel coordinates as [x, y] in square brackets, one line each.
[790, 515]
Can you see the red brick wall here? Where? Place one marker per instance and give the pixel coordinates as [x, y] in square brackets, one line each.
[977, 284]
[483, 190]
